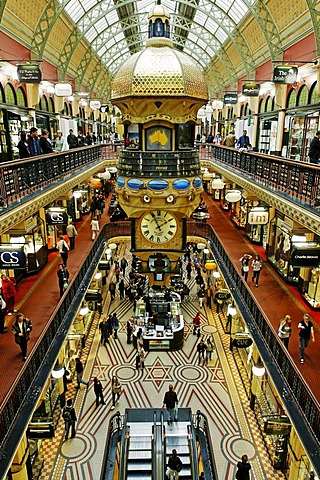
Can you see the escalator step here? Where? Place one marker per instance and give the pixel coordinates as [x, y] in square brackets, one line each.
[139, 475]
[139, 454]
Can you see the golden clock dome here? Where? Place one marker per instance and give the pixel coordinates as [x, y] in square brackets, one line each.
[159, 71]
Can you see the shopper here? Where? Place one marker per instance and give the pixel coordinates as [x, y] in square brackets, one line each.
[115, 390]
[121, 288]
[201, 350]
[98, 391]
[201, 295]
[112, 290]
[72, 139]
[60, 143]
[174, 465]
[123, 265]
[314, 149]
[243, 141]
[21, 330]
[243, 469]
[209, 350]
[72, 233]
[45, 142]
[79, 371]
[245, 265]
[170, 400]
[115, 325]
[230, 139]
[104, 331]
[69, 417]
[256, 269]
[142, 355]
[285, 330]
[63, 248]
[306, 332]
[23, 146]
[129, 330]
[63, 278]
[196, 324]
[95, 227]
[8, 293]
[33, 143]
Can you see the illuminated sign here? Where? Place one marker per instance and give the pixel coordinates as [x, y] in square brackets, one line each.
[57, 218]
[258, 218]
[14, 259]
[285, 74]
[301, 257]
[230, 98]
[251, 89]
[29, 73]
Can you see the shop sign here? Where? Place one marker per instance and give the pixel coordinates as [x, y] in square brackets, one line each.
[29, 73]
[63, 89]
[285, 74]
[258, 218]
[305, 257]
[104, 109]
[230, 98]
[242, 342]
[40, 430]
[277, 426]
[14, 259]
[251, 89]
[95, 104]
[56, 218]
[222, 295]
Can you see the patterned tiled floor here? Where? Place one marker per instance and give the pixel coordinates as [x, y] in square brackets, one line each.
[216, 390]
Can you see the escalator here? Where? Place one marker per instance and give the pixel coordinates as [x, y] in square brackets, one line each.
[139, 457]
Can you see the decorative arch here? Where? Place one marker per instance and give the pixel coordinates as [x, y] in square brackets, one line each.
[21, 97]
[51, 105]
[313, 95]
[262, 105]
[292, 98]
[43, 104]
[10, 96]
[302, 96]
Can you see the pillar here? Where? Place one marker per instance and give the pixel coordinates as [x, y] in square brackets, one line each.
[21, 467]
[254, 107]
[280, 131]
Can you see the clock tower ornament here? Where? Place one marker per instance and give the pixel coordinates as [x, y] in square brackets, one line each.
[159, 91]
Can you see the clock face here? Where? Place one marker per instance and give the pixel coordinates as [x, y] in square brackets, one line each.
[159, 226]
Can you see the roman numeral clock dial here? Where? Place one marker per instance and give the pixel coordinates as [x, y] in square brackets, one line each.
[158, 227]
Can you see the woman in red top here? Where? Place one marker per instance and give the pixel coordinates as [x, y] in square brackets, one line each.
[8, 292]
[196, 324]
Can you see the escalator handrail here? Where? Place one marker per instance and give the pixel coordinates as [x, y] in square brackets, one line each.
[154, 443]
[163, 444]
[192, 449]
[115, 421]
[124, 450]
[200, 423]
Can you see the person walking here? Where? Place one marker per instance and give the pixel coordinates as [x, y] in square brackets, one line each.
[70, 418]
[21, 330]
[306, 332]
[60, 143]
[129, 330]
[314, 149]
[3, 306]
[72, 233]
[121, 288]
[142, 355]
[8, 293]
[45, 142]
[196, 324]
[104, 331]
[201, 295]
[95, 227]
[174, 465]
[209, 350]
[123, 265]
[112, 290]
[170, 400]
[256, 269]
[98, 391]
[115, 325]
[201, 349]
[208, 295]
[243, 469]
[115, 390]
[245, 265]
[63, 248]
[189, 269]
[285, 330]
[63, 278]
[109, 323]
[79, 371]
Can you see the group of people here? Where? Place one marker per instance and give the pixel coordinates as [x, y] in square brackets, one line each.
[256, 265]
[306, 332]
[229, 141]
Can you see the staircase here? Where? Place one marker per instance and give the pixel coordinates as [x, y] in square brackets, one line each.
[139, 464]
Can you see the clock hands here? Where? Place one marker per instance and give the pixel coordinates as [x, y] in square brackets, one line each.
[155, 219]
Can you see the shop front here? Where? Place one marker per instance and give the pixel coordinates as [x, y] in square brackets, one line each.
[301, 126]
[56, 221]
[257, 223]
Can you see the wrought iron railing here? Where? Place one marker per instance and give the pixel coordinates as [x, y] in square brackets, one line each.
[21, 178]
[295, 180]
[137, 163]
[300, 403]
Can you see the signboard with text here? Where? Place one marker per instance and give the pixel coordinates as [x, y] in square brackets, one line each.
[251, 89]
[14, 259]
[56, 218]
[242, 342]
[29, 73]
[258, 218]
[285, 74]
[303, 257]
[230, 98]
[40, 430]
[277, 426]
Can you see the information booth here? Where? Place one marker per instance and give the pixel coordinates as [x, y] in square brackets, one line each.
[160, 318]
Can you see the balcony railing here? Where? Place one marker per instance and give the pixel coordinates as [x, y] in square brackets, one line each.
[296, 181]
[135, 163]
[21, 178]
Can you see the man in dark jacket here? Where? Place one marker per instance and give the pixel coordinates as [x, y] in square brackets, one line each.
[98, 391]
[174, 465]
[170, 400]
[33, 143]
[45, 142]
[21, 330]
[63, 278]
[243, 469]
[314, 150]
[69, 417]
[72, 139]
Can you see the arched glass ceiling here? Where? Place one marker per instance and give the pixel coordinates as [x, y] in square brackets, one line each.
[118, 28]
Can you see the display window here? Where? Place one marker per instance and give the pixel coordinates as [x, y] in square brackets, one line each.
[257, 223]
[301, 130]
